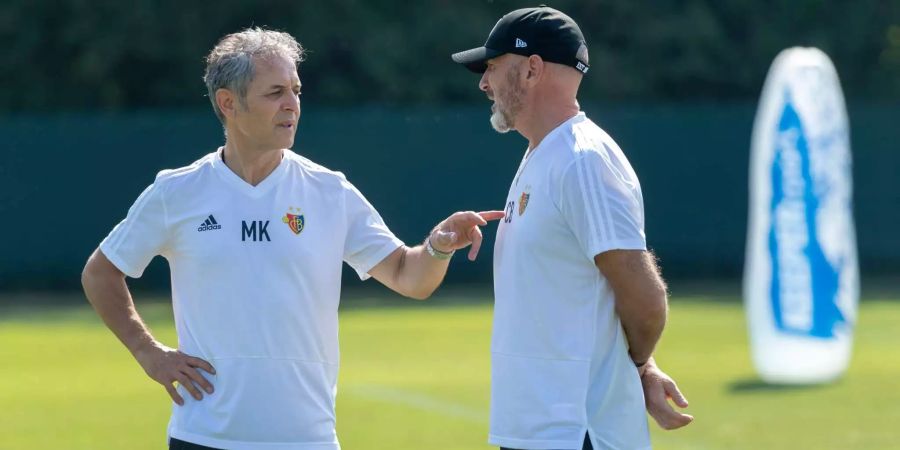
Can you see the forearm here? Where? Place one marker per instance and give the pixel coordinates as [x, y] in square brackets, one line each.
[415, 272]
[419, 274]
[108, 293]
[643, 320]
[640, 296]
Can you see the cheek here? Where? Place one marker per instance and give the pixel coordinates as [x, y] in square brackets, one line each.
[499, 93]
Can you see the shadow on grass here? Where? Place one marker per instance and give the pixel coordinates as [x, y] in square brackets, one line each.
[756, 385]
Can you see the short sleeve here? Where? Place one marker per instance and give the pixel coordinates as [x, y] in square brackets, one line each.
[142, 235]
[368, 239]
[600, 199]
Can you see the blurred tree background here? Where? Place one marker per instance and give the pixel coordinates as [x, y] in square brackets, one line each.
[115, 56]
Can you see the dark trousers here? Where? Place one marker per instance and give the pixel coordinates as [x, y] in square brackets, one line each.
[178, 444]
[587, 444]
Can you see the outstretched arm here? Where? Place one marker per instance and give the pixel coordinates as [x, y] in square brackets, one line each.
[415, 272]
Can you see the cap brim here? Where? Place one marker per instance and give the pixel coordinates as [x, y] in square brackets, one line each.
[476, 58]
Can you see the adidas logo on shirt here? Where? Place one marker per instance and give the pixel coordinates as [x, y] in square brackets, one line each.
[209, 224]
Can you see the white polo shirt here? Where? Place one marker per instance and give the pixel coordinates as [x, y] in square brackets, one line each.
[560, 363]
[256, 280]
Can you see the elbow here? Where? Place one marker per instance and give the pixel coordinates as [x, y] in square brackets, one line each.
[657, 311]
[97, 272]
[87, 273]
[655, 322]
[409, 284]
[421, 294]
[89, 276]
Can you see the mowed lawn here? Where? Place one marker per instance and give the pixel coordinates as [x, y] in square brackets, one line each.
[415, 376]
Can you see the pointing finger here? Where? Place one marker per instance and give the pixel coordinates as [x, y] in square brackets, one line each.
[474, 218]
[492, 215]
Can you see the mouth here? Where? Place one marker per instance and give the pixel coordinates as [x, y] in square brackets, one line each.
[288, 125]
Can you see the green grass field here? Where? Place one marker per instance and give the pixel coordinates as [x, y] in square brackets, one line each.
[415, 376]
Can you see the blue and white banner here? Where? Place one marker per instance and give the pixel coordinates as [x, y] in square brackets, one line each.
[801, 280]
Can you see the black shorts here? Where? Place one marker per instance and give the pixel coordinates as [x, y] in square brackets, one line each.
[178, 444]
[586, 446]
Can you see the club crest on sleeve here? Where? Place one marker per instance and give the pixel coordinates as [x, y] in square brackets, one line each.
[294, 220]
[523, 200]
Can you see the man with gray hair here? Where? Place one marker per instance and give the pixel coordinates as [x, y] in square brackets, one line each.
[255, 236]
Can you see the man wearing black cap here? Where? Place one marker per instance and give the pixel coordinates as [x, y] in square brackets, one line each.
[579, 302]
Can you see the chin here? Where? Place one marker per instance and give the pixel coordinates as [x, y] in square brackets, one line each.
[500, 124]
[283, 142]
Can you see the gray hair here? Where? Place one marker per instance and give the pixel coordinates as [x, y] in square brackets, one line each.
[230, 64]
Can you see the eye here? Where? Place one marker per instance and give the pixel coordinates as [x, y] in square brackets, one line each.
[275, 94]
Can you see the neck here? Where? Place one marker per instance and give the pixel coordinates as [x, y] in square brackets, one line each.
[252, 165]
[544, 118]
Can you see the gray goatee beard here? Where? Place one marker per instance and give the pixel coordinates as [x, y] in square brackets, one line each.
[500, 122]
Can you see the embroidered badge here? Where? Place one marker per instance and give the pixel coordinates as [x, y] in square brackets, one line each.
[523, 200]
[296, 221]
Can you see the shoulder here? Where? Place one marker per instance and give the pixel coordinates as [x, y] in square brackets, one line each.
[590, 151]
[170, 178]
[308, 166]
[580, 139]
[316, 173]
[169, 175]
[591, 141]
[588, 139]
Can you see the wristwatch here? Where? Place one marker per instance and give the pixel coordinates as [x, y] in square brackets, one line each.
[435, 253]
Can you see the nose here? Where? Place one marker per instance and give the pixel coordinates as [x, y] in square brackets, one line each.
[292, 103]
[483, 83]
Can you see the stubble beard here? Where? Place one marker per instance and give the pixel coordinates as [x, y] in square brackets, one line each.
[507, 103]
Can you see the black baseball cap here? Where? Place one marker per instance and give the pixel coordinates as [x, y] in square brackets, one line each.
[541, 31]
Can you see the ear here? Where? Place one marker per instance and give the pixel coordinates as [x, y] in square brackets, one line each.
[227, 102]
[535, 69]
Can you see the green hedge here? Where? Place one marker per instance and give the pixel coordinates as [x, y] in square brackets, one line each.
[115, 55]
[67, 179]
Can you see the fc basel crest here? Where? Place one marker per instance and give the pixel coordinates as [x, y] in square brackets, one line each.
[294, 221]
[523, 201]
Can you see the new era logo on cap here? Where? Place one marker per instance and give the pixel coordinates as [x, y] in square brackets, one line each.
[520, 43]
